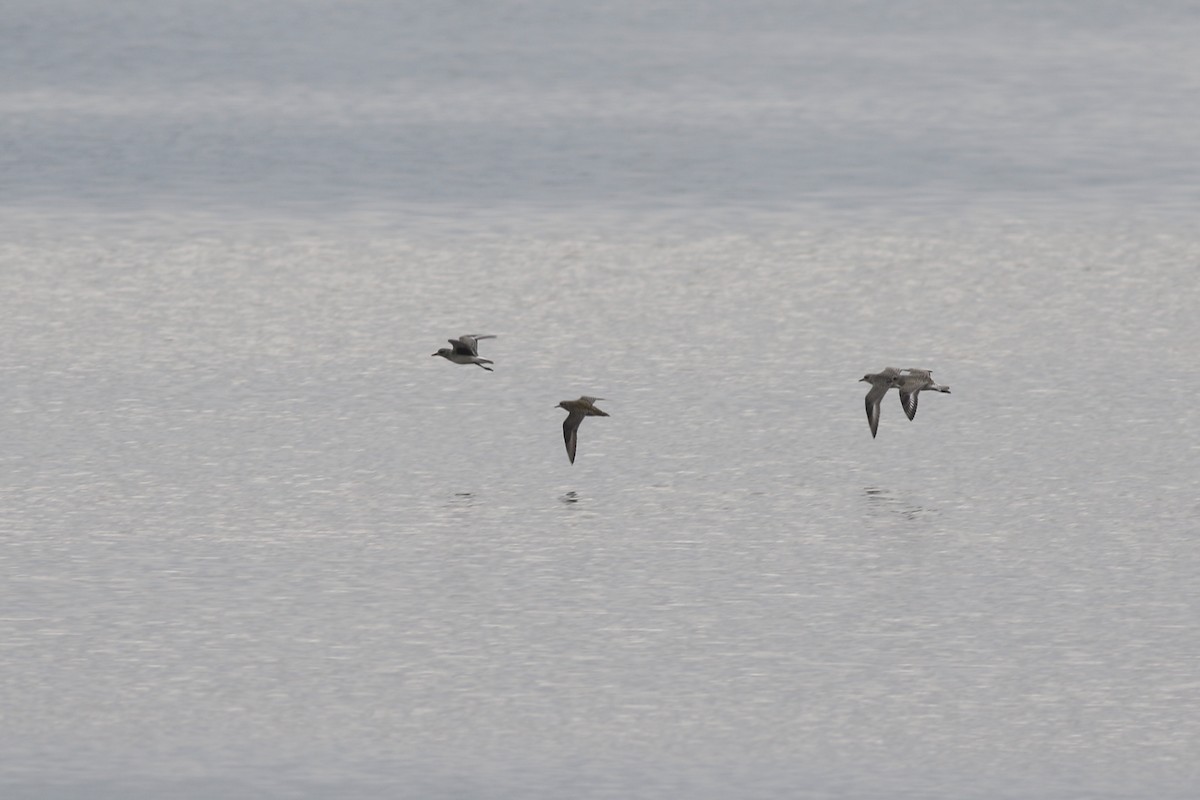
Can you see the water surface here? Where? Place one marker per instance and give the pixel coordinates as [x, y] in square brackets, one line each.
[257, 542]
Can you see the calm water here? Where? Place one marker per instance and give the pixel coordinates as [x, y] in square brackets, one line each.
[257, 543]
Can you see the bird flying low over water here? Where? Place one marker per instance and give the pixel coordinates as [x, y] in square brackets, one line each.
[887, 378]
[912, 381]
[576, 411]
[466, 350]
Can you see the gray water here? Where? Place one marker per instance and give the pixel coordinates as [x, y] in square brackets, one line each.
[256, 542]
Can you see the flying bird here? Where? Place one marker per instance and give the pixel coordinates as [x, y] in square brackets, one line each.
[912, 381]
[881, 381]
[466, 350]
[576, 411]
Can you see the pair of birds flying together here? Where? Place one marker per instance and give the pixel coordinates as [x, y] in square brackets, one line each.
[909, 382]
[465, 350]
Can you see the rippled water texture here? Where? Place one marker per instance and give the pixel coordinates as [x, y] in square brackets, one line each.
[256, 542]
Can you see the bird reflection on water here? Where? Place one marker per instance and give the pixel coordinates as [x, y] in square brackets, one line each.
[461, 500]
[884, 501]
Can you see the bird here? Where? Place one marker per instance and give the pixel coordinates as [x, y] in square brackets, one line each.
[912, 381]
[880, 382]
[576, 411]
[466, 350]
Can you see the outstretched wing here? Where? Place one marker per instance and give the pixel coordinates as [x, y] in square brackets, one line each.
[873, 398]
[908, 400]
[570, 432]
[468, 343]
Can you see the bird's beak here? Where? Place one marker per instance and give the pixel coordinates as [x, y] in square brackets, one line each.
[860, 380]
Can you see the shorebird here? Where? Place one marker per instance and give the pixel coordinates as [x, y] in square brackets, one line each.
[912, 381]
[466, 350]
[576, 411]
[880, 382]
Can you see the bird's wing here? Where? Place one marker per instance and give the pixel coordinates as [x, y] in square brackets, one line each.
[471, 340]
[873, 397]
[876, 393]
[570, 431]
[908, 400]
